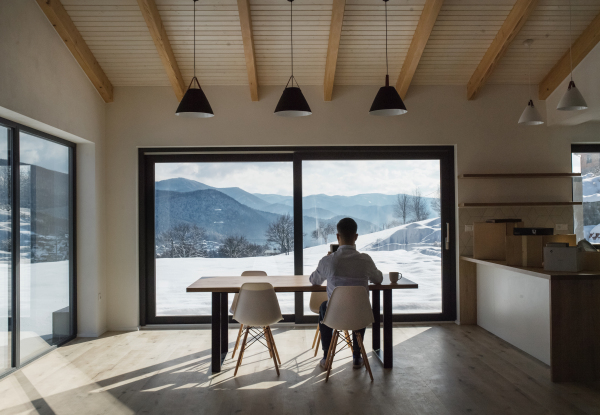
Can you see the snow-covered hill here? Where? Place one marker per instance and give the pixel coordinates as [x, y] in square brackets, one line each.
[591, 188]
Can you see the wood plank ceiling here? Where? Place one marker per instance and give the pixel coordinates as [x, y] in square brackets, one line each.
[118, 36]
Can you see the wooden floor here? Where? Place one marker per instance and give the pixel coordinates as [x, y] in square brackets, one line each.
[438, 369]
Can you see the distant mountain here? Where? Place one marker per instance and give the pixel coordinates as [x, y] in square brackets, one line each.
[283, 209]
[378, 215]
[285, 200]
[244, 197]
[181, 185]
[213, 210]
[309, 224]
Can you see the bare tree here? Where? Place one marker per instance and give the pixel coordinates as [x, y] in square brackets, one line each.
[281, 233]
[418, 206]
[323, 231]
[182, 241]
[436, 204]
[403, 207]
[235, 247]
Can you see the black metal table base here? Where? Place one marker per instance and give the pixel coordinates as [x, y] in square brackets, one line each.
[385, 354]
[220, 326]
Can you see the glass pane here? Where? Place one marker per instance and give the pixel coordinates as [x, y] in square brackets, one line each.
[5, 253]
[397, 208]
[588, 191]
[220, 219]
[44, 271]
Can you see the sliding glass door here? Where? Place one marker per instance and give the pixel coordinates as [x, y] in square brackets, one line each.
[37, 245]
[217, 212]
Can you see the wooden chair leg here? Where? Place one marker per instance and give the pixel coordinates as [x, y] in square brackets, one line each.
[237, 342]
[349, 341]
[271, 343]
[316, 335]
[265, 333]
[364, 354]
[274, 345]
[243, 347]
[318, 343]
[331, 353]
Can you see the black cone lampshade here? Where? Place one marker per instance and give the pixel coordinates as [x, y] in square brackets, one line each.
[387, 102]
[194, 103]
[292, 103]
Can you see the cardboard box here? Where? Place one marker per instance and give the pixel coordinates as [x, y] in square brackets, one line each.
[590, 261]
[528, 251]
[566, 259]
[489, 239]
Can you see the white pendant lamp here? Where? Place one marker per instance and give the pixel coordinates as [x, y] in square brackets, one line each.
[387, 102]
[292, 102]
[194, 103]
[572, 100]
[530, 115]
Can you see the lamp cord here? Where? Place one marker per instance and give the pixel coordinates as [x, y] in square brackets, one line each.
[387, 69]
[570, 42]
[529, 72]
[292, 36]
[194, 38]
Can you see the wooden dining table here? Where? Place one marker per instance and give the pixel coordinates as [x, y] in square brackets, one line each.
[221, 287]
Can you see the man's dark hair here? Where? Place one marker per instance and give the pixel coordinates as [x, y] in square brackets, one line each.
[347, 228]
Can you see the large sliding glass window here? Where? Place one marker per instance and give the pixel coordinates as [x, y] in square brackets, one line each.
[586, 160]
[222, 212]
[37, 272]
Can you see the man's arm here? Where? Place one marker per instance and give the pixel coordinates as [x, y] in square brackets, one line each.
[318, 276]
[375, 276]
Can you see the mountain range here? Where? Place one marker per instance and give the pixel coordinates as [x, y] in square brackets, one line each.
[232, 210]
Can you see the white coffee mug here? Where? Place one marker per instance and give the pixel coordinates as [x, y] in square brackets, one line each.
[394, 277]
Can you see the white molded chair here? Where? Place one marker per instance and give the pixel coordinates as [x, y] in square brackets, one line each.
[316, 299]
[234, 305]
[348, 309]
[258, 307]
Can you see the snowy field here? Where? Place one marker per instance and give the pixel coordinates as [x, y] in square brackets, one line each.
[419, 262]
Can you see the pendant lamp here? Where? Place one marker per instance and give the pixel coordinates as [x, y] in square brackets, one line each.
[572, 100]
[530, 115]
[194, 103]
[387, 101]
[292, 102]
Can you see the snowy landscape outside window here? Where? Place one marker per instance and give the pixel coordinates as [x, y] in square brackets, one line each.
[222, 218]
[588, 164]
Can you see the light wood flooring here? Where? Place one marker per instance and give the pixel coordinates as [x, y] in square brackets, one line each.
[438, 369]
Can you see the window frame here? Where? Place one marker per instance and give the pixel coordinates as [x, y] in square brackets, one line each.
[15, 130]
[147, 157]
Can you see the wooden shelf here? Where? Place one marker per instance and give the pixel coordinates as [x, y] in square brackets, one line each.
[519, 176]
[520, 204]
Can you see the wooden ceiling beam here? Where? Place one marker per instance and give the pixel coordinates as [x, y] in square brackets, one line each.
[163, 46]
[431, 10]
[335, 34]
[509, 30]
[64, 26]
[581, 47]
[248, 39]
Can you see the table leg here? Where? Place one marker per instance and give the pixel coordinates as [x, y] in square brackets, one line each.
[388, 345]
[216, 332]
[377, 319]
[224, 327]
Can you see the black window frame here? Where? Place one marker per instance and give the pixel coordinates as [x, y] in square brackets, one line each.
[147, 157]
[14, 134]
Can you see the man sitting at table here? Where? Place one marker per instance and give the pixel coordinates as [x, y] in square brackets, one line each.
[344, 267]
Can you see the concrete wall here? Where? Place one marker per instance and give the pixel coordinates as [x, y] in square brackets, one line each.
[484, 131]
[42, 86]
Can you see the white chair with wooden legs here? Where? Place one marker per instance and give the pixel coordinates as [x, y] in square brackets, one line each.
[234, 305]
[349, 308]
[257, 309]
[316, 299]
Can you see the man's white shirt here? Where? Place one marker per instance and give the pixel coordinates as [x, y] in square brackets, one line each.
[346, 267]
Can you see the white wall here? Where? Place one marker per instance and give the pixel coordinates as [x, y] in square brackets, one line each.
[485, 132]
[42, 86]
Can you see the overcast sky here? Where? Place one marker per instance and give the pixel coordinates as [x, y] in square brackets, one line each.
[44, 153]
[327, 177]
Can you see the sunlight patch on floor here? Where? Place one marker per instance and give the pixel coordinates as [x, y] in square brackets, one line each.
[406, 333]
[262, 385]
[158, 388]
